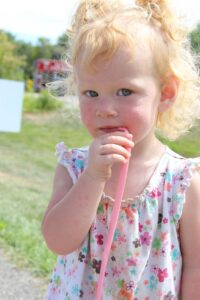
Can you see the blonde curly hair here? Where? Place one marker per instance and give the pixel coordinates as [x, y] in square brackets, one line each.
[99, 27]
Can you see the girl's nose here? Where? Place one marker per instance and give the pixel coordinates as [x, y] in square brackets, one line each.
[106, 109]
[106, 113]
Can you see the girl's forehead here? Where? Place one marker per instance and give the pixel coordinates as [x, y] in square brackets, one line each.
[133, 46]
[137, 60]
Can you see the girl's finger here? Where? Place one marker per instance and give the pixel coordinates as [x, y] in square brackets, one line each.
[114, 158]
[114, 149]
[120, 140]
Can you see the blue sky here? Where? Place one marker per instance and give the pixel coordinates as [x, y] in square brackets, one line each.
[32, 19]
[29, 20]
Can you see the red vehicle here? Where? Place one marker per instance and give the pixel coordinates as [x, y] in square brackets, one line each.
[47, 70]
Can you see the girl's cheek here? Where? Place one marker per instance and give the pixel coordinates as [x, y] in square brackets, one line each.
[86, 116]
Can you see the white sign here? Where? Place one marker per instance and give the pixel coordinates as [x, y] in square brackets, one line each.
[11, 99]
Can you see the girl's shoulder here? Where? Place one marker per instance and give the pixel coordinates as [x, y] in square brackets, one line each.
[174, 177]
[74, 159]
[178, 177]
[178, 164]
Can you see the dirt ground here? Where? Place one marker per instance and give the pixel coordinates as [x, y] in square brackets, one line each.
[17, 284]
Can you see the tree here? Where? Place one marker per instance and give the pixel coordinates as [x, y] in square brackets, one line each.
[62, 47]
[195, 39]
[44, 48]
[11, 64]
[27, 50]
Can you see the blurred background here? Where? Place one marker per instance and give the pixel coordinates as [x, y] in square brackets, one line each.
[32, 45]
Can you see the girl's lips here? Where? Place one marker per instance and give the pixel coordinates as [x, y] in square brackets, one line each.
[113, 129]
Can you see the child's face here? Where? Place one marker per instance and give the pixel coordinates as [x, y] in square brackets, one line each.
[121, 93]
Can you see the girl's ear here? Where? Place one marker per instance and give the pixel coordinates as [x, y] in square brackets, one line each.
[169, 93]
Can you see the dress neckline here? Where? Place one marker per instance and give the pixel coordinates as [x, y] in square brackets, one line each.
[148, 187]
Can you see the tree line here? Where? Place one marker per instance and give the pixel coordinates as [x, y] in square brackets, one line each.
[17, 57]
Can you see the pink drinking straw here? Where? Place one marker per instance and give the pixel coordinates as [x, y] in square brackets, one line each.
[113, 223]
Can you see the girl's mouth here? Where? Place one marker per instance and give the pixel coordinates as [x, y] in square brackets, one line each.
[113, 129]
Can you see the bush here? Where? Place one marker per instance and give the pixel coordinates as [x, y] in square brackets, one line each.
[40, 102]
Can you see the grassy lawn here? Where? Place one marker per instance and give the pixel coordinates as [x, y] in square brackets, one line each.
[189, 145]
[26, 173]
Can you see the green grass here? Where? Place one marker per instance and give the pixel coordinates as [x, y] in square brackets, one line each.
[189, 145]
[26, 172]
[40, 102]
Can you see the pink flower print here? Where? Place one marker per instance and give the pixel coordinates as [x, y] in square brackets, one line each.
[162, 274]
[71, 272]
[53, 289]
[146, 282]
[121, 239]
[173, 210]
[164, 236]
[140, 227]
[155, 253]
[155, 193]
[132, 261]
[145, 238]
[115, 272]
[148, 222]
[165, 220]
[102, 218]
[99, 238]
[168, 186]
[122, 269]
[160, 295]
[174, 265]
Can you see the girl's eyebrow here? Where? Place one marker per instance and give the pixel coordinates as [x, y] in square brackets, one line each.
[135, 82]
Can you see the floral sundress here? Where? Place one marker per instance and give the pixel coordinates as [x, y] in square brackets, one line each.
[145, 261]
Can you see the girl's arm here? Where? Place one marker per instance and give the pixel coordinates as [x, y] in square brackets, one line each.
[72, 208]
[190, 242]
[71, 211]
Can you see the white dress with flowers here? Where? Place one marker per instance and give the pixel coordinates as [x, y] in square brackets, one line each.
[145, 261]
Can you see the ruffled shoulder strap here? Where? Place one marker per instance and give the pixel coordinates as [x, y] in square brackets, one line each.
[74, 159]
[194, 164]
[183, 171]
[192, 167]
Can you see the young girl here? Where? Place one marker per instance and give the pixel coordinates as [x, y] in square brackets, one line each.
[133, 70]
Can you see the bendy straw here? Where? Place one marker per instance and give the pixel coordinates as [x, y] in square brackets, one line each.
[113, 223]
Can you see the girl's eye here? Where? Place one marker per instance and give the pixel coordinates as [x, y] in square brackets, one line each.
[91, 94]
[124, 92]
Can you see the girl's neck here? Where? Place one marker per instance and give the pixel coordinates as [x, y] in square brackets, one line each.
[146, 151]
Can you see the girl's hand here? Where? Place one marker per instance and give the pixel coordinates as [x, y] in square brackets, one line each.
[106, 150]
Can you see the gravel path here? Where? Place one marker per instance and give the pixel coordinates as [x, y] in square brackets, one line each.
[16, 284]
